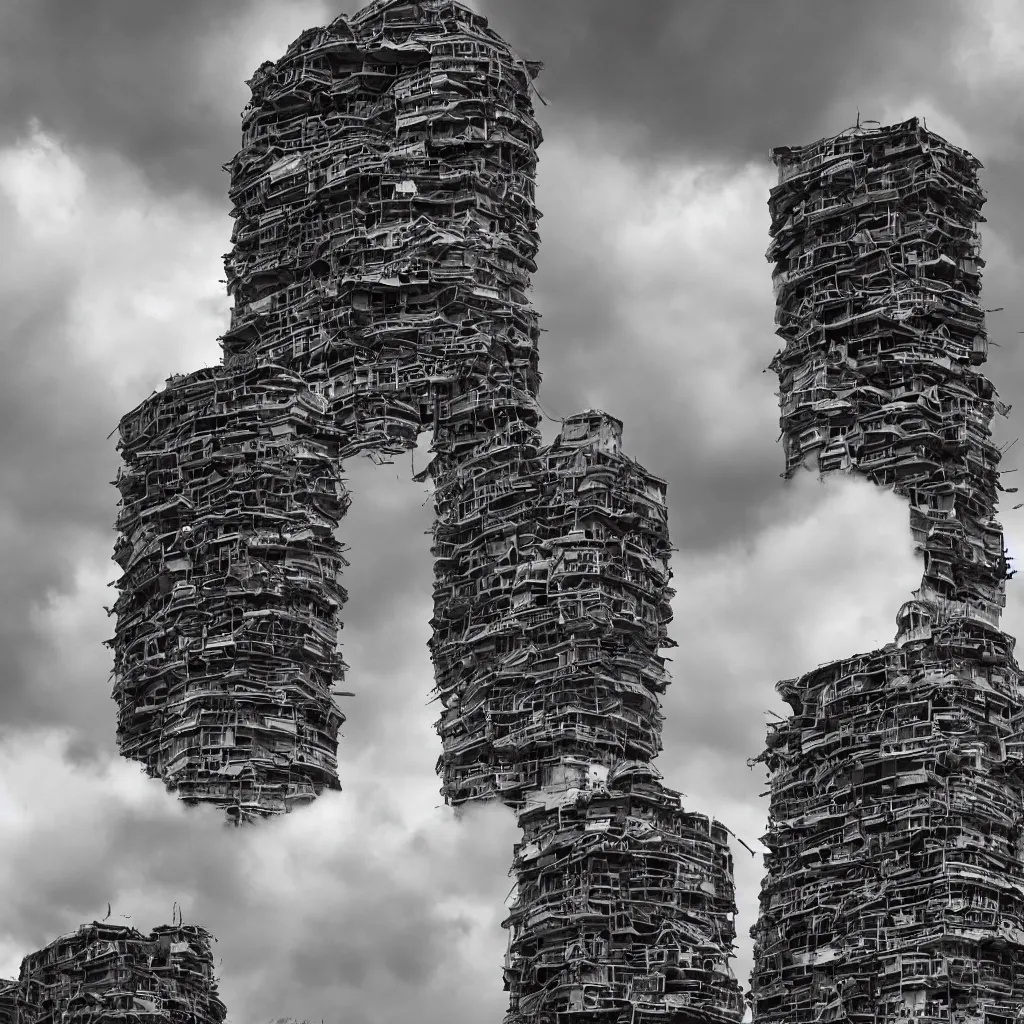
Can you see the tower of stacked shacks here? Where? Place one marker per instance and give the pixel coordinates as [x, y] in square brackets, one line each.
[384, 240]
[895, 882]
[106, 972]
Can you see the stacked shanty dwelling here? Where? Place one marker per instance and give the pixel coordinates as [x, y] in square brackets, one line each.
[384, 241]
[106, 972]
[895, 879]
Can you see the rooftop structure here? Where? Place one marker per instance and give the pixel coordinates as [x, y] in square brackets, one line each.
[894, 885]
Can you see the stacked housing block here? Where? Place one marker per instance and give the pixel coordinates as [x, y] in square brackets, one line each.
[624, 901]
[572, 611]
[894, 884]
[225, 649]
[105, 972]
[384, 240]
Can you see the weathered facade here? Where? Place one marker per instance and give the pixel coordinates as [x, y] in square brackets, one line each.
[225, 650]
[105, 972]
[624, 904]
[894, 885]
[385, 234]
[572, 610]
[624, 901]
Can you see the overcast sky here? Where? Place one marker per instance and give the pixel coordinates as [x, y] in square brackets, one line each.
[373, 906]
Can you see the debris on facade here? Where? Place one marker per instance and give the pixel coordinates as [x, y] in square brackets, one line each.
[894, 884]
[105, 972]
[384, 241]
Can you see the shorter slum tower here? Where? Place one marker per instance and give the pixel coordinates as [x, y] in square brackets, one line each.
[894, 884]
[106, 972]
[384, 241]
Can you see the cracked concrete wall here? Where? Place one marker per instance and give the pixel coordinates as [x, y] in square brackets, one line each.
[894, 884]
[385, 234]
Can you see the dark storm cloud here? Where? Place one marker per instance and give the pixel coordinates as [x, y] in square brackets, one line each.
[819, 577]
[162, 84]
[612, 339]
[721, 81]
[79, 345]
[597, 354]
[158, 83]
[170, 854]
[1000, 178]
[55, 475]
[1003, 248]
[333, 912]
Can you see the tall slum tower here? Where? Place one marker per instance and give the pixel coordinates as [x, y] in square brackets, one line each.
[895, 884]
[385, 234]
